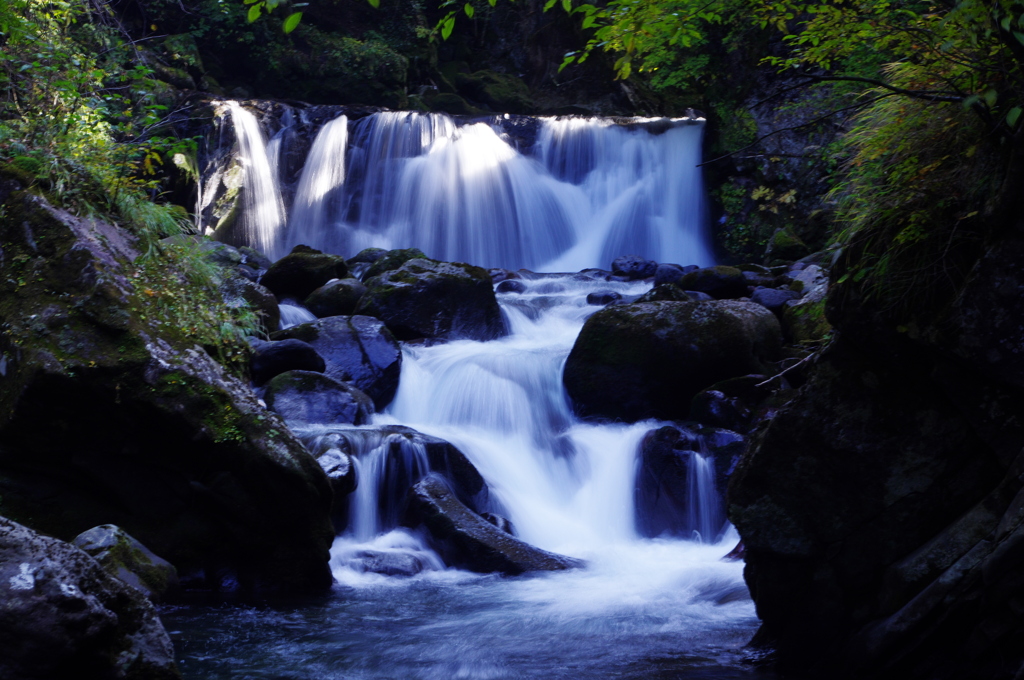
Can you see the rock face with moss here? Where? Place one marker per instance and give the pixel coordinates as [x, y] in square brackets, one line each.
[63, 616]
[110, 414]
[881, 508]
[435, 300]
[648, 360]
[130, 561]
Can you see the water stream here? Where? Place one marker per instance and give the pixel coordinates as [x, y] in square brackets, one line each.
[666, 607]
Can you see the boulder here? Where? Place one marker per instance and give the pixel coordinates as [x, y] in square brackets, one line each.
[356, 349]
[391, 261]
[238, 290]
[465, 539]
[276, 357]
[110, 414]
[130, 561]
[309, 397]
[720, 282]
[773, 298]
[648, 360]
[668, 273]
[63, 616]
[633, 267]
[602, 297]
[732, 404]
[367, 256]
[698, 296]
[254, 258]
[302, 271]
[498, 275]
[337, 298]
[391, 562]
[663, 292]
[435, 300]
[511, 286]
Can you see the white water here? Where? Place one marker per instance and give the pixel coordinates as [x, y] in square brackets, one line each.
[587, 191]
[262, 209]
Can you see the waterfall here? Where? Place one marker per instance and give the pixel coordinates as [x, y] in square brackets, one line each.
[262, 208]
[705, 507]
[579, 194]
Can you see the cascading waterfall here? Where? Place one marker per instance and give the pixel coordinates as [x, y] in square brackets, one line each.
[585, 191]
[262, 208]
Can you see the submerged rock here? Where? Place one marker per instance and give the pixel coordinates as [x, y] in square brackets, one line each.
[467, 540]
[309, 397]
[431, 299]
[357, 349]
[63, 616]
[648, 360]
[302, 271]
[130, 561]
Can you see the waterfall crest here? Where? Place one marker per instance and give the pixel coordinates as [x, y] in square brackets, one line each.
[262, 208]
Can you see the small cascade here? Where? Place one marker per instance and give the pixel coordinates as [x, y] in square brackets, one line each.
[292, 314]
[705, 517]
[320, 186]
[262, 208]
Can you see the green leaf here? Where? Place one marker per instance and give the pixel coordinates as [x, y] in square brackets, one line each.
[374, 3]
[249, 2]
[1013, 116]
[292, 21]
[567, 5]
[549, 4]
[990, 97]
[447, 27]
[254, 12]
[468, 8]
[492, 2]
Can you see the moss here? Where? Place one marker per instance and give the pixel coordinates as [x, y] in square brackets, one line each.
[806, 323]
[785, 246]
[446, 102]
[498, 91]
[393, 260]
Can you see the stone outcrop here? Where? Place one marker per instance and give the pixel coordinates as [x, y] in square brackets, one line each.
[63, 616]
[111, 415]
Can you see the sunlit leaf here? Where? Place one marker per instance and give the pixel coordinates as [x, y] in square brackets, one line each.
[468, 9]
[447, 27]
[292, 21]
[254, 12]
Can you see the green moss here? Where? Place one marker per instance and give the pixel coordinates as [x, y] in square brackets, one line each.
[498, 91]
[806, 323]
[393, 260]
[786, 247]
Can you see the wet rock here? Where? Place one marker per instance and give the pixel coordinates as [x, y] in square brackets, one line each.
[773, 298]
[64, 616]
[633, 267]
[602, 297]
[719, 282]
[666, 291]
[761, 277]
[392, 260]
[731, 404]
[341, 472]
[337, 298]
[511, 286]
[310, 397]
[102, 421]
[273, 358]
[698, 296]
[302, 271]
[661, 493]
[498, 275]
[465, 539]
[254, 258]
[367, 256]
[668, 273]
[249, 273]
[238, 290]
[502, 523]
[128, 560]
[357, 349]
[392, 562]
[647, 360]
[431, 299]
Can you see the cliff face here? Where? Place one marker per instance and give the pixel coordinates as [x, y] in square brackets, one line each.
[882, 508]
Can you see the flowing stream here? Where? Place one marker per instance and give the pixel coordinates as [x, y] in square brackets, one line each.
[666, 607]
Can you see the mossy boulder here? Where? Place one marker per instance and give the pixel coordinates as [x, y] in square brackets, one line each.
[805, 321]
[785, 246]
[437, 300]
[109, 414]
[270, 359]
[391, 260]
[63, 616]
[648, 360]
[497, 91]
[130, 561]
[357, 349]
[311, 397]
[720, 282]
[662, 293]
[337, 298]
[302, 271]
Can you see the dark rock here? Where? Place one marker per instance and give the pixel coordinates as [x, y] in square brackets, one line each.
[337, 298]
[274, 358]
[392, 260]
[465, 539]
[761, 278]
[785, 246]
[249, 273]
[254, 258]
[302, 271]
[502, 523]
[668, 273]
[633, 267]
[498, 275]
[665, 292]
[392, 562]
[358, 350]
[511, 286]
[128, 560]
[649, 359]
[220, 254]
[773, 298]
[602, 297]
[737, 553]
[731, 404]
[104, 422]
[431, 299]
[367, 256]
[310, 397]
[238, 291]
[698, 296]
[63, 616]
[719, 282]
